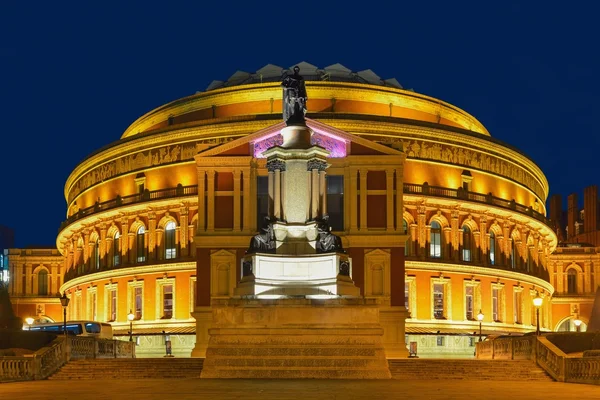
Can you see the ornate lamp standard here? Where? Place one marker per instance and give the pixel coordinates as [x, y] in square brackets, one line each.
[130, 318]
[577, 323]
[64, 302]
[29, 321]
[537, 302]
[480, 318]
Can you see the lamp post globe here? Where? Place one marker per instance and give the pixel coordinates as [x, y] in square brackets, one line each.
[29, 321]
[64, 302]
[130, 318]
[480, 319]
[537, 302]
[577, 323]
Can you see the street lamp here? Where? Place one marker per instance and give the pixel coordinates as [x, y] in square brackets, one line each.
[480, 318]
[130, 318]
[577, 323]
[29, 321]
[64, 302]
[537, 302]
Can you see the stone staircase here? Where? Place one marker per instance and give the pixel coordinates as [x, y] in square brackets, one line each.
[130, 368]
[298, 363]
[497, 370]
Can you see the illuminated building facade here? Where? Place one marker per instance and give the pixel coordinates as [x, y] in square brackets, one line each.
[158, 221]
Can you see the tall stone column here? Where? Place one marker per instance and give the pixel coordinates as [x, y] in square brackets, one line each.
[271, 184]
[353, 200]
[455, 236]
[201, 201]
[124, 239]
[399, 202]
[210, 200]
[314, 198]
[153, 239]
[277, 195]
[323, 192]
[183, 231]
[236, 200]
[363, 200]
[389, 191]
[103, 250]
[423, 232]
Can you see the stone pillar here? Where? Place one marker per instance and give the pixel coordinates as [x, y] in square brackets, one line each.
[323, 192]
[389, 191]
[153, 238]
[483, 241]
[103, 250]
[201, 201]
[183, 231]
[86, 246]
[353, 200]
[210, 200]
[271, 183]
[423, 232]
[124, 240]
[399, 204]
[248, 182]
[314, 190]
[236, 200]
[363, 200]
[277, 195]
[455, 236]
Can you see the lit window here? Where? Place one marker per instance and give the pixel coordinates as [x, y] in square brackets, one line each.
[440, 340]
[335, 201]
[140, 244]
[466, 251]
[93, 305]
[138, 302]
[492, 248]
[572, 281]
[167, 301]
[170, 249]
[435, 243]
[517, 307]
[438, 301]
[113, 305]
[513, 254]
[43, 283]
[469, 302]
[116, 255]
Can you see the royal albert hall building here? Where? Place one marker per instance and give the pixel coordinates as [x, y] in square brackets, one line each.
[158, 221]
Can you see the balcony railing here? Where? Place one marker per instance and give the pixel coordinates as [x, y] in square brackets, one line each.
[179, 191]
[461, 194]
[409, 188]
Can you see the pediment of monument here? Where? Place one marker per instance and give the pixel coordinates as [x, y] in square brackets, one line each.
[334, 140]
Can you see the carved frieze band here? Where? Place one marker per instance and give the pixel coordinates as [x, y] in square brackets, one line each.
[141, 160]
[417, 149]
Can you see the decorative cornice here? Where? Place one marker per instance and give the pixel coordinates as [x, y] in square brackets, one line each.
[478, 271]
[129, 271]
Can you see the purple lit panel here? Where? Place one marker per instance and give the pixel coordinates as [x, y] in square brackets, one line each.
[336, 147]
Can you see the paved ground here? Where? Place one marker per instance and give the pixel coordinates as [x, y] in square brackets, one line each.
[294, 389]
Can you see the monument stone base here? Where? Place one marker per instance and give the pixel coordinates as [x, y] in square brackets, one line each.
[296, 338]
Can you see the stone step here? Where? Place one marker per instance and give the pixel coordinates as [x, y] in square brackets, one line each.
[294, 373]
[294, 351]
[293, 362]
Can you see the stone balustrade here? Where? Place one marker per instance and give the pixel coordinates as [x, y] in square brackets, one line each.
[48, 360]
[559, 365]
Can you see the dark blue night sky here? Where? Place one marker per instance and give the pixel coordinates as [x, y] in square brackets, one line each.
[75, 75]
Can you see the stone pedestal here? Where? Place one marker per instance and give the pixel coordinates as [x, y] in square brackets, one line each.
[296, 338]
[311, 276]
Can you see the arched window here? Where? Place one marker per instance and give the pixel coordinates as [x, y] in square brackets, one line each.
[170, 249]
[529, 259]
[116, 254]
[43, 283]
[492, 248]
[96, 255]
[572, 281]
[467, 244]
[513, 254]
[435, 240]
[140, 244]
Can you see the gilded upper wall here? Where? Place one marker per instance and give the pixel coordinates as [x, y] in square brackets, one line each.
[341, 96]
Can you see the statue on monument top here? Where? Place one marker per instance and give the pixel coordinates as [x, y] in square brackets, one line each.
[294, 98]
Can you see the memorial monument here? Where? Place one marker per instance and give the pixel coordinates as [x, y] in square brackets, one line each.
[296, 312]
